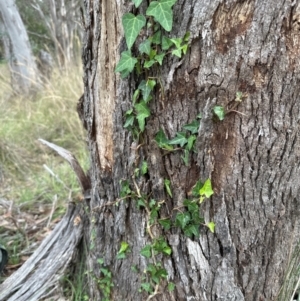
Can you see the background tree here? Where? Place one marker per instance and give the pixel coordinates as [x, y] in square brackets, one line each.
[245, 47]
[62, 22]
[24, 75]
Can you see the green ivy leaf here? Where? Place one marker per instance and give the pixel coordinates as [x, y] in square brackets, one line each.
[162, 140]
[156, 39]
[186, 37]
[166, 43]
[137, 2]
[132, 26]
[184, 48]
[185, 157]
[146, 251]
[161, 246]
[167, 186]
[145, 47]
[125, 189]
[171, 286]
[159, 58]
[191, 230]
[192, 127]
[190, 142]
[177, 42]
[124, 247]
[179, 139]
[199, 116]
[196, 189]
[219, 112]
[165, 223]
[143, 112]
[177, 52]
[126, 64]
[135, 96]
[141, 203]
[129, 121]
[192, 206]
[144, 167]
[146, 286]
[162, 12]
[146, 87]
[206, 189]
[182, 219]
[211, 226]
[149, 64]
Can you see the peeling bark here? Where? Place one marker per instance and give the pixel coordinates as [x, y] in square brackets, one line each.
[252, 156]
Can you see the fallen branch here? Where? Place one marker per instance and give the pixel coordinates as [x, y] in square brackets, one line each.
[41, 273]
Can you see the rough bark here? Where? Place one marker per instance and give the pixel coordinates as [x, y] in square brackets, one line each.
[252, 156]
[24, 75]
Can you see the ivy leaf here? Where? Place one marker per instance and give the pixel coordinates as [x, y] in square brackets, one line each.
[171, 286]
[196, 189]
[206, 190]
[192, 127]
[149, 64]
[137, 2]
[123, 249]
[146, 87]
[146, 251]
[144, 167]
[186, 37]
[219, 111]
[146, 286]
[185, 157]
[184, 48]
[162, 140]
[177, 42]
[156, 39]
[145, 47]
[162, 12]
[182, 219]
[179, 139]
[167, 186]
[135, 95]
[166, 43]
[165, 223]
[143, 112]
[159, 58]
[126, 63]
[191, 230]
[177, 52]
[129, 119]
[211, 226]
[132, 26]
[190, 142]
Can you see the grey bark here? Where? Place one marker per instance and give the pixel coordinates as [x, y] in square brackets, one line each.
[252, 156]
[24, 75]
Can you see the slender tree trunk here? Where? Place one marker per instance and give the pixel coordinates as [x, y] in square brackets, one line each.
[24, 73]
[252, 156]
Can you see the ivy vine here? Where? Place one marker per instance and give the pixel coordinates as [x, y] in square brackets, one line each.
[148, 44]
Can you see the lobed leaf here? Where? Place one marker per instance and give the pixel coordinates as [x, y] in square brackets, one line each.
[132, 26]
[162, 12]
[143, 112]
[137, 2]
[126, 63]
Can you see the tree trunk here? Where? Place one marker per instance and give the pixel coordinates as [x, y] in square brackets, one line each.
[251, 157]
[24, 73]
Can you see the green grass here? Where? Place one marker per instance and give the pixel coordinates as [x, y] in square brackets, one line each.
[51, 115]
